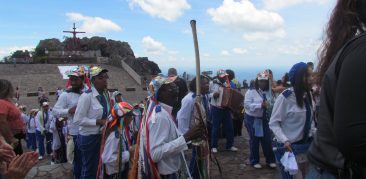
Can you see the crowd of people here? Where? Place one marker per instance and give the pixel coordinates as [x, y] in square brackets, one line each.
[104, 136]
[308, 122]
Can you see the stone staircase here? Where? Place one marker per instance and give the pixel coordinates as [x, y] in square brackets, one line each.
[28, 77]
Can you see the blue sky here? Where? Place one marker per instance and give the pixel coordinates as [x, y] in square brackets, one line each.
[237, 34]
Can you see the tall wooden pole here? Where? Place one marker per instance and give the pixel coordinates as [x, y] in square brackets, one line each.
[198, 67]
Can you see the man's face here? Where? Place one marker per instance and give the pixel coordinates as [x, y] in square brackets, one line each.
[205, 86]
[45, 108]
[101, 81]
[262, 84]
[76, 82]
[118, 98]
[128, 119]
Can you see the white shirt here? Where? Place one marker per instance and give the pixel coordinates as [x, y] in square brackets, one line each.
[253, 103]
[56, 142]
[66, 101]
[110, 154]
[31, 125]
[166, 144]
[87, 112]
[39, 118]
[288, 119]
[184, 115]
[25, 118]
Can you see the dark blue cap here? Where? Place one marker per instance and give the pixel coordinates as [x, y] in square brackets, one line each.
[294, 70]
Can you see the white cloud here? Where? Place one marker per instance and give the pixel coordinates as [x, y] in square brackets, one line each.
[6, 51]
[243, 16]
[281, 4]
[304, 48]
[152, 46]
[253, 36]
[168, 10]
[239, 51]
[225, 53]
[206, 55]
[93, 25]
[189, 31]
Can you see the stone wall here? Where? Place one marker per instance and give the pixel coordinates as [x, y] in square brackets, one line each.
[28, 77]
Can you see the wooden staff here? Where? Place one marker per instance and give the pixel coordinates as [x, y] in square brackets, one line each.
[198, 67]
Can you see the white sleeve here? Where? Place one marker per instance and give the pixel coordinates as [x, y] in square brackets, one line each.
[53, 125]
[159, 132]
[185, 114]
[249, 103]
[213, 89]
[278, 114]
[38, 121]
[60, 109]
[81, 113]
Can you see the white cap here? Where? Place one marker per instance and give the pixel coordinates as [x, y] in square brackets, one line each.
[45, 104]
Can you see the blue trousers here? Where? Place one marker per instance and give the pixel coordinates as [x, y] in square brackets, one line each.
[77, 159]
[193, 167]
[254, 141]
[280, 150]
[221, 116]
[40, 140]
[90, 148]
[31, 141]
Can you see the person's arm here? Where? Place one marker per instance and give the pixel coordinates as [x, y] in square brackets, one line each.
[349, 107]
[5, 129]
[249, 103]
[60, 109]
[159, 132]
[6, 151]
[278, 114]
[81, 114]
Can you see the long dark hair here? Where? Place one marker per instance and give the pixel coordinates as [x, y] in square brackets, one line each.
[301, 86]
[348, 18]
[6, 88]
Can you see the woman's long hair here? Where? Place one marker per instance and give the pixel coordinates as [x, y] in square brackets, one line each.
[347, 19]
[301, 86]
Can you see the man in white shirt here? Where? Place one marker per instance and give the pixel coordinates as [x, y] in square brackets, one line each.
[160, 135]
[185, 113]
[65, 107]
[92, 111]
[220, 114]
[43, 120]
